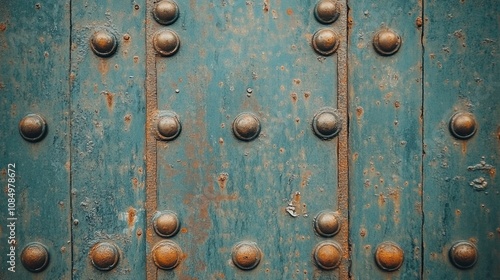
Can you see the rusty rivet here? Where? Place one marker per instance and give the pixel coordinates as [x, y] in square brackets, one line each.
[246, 255]
[325, 41]
[103, 43]
[168, 126]
[327, 123]
[389, 256]
[463, 125]
[166, 12]
[328, 255]
[326, 11]
[463, 254]
[386, 42]
[166, 42]
[327, 223]
[246, 126]
[104, 255]
[35, 257]
[166, 254]
[166, 223]
[33, 127]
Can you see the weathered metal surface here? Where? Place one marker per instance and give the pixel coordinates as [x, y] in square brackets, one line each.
[385, 136]
[34, 67]
[255, 58]
[107, 140]
[461, 188]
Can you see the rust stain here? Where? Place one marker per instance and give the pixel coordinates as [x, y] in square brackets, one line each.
[289, 11]
[266, 6]
[109, 100]
[131, 216]
[139, 232]
[307, 94]
[397, 104]
[458, 213]
[136, 59]
[222, 180]
[362, 232]
[381, 199]
[127, 119]
[359, 111]
[67, 166]
[297, 81]
[293, 95]
[103, 67]
[418, 22]
[305, 178]
[184, 230]
[3, 26]
[135, 183]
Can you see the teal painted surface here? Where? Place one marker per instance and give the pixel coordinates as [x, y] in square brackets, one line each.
[461, 74]
[226, 48]
[385, 137]
[34, 67]
[107, 149]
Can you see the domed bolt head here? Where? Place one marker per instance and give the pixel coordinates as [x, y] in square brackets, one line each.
[327, 223]
[463, 125]
[168, 126]
[246, 126]
[166, 223]
[389, 256]
[166, 255]
[104, 256]
[103, 43]
[166, 42]
[463, 254]
[327, 255]
[166, 12]
[325, 41]
[326, 11]
[386, 42]
[246, 255]
[33, 127]
[327, 123]
[35, 257]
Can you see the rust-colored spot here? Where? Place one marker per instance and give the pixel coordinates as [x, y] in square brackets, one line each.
[418, 22]
[307, 94]
[362, 232]
[184, 230]
[38, 6]
[359, 111]
[492, 172]
[282, 150]
[350, 22]
[136, 7]
[221, 141]
[103, 67]
[296, 81]
[139, 232]
[109, 99]
[3, 26]
[381, 199]
[126, 37]
[458, 212]
[131, 216]
[397, 104]
[222, 180]
[355, 156]
[135, 183]
[136, 59]
[289, 11]
[266, 6]
[293, 95]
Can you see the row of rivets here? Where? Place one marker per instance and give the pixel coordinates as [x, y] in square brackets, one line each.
[246, 126]
[166, 12]
[326, 41]
[166, 42]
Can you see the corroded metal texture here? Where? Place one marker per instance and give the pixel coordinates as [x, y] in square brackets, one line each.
[166, 255]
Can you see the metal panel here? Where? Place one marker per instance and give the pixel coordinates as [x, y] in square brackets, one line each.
[34, 66]
[235, 57]
[461, 190]
[385, 137]
[107, 152]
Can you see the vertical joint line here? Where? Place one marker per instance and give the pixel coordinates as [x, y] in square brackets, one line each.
[70, 113]
[422, 116]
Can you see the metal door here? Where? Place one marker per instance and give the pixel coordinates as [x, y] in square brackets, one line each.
[249, 140]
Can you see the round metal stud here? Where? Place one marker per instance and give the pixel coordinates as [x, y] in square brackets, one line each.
[463, 125]
[389, 256]
[166, 12]
[103, 43]
[33, 127]
[166, 255]
[166, 42]
[463, 254]
[327, 123]
[246, 126]
[35, 257]
[325, 41]
[166, 223]
[168, 126]
[326, 11]
[386, 42]
[104, 256]
[327, 223]
[328, 255]
[246, 255]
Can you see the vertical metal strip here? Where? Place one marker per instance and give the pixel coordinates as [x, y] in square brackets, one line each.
[151, 108]
[343, 165]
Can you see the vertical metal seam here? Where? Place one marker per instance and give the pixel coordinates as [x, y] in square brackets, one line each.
[422, 140]
[342, 150]
[151, 164]
[70, 135]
